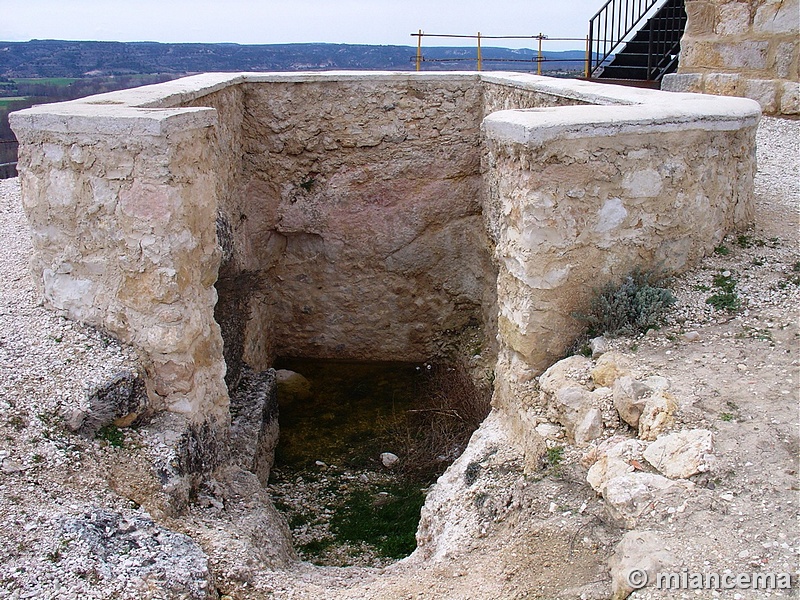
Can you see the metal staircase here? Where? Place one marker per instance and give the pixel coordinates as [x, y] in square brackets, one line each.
[650, 48]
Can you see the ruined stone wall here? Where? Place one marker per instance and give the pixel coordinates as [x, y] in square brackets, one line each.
[367, 215]
[497, 96]
[570, 213]
[570, 207]
[231, 310]
[742, 48]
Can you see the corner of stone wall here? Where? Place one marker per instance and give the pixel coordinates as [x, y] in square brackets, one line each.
[582, 198]
[122, 209]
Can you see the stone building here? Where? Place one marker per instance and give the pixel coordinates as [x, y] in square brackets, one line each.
[743, 48]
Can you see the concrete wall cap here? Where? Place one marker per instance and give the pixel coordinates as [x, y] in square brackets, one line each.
[159, 109]
[677, 112]
[110, 119]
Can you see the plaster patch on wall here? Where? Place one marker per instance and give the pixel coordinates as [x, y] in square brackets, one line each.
[68, 293]
[643, 184]
[611, 215]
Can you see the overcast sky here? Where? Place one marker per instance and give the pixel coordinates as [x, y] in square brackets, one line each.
[274, 21]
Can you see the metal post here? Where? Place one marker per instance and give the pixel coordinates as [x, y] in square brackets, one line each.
[419, 50]
[539, 60]
[650, 51]
[480, 62]
[588, 71]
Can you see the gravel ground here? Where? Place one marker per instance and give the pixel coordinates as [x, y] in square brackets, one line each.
[47, 477]
[744, 365]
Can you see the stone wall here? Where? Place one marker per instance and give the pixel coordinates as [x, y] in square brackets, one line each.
[747, 48]
[367, 215]
[357, 223]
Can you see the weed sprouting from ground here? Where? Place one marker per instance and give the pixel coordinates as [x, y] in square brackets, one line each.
[554, 456]
[387, 522]
[113, 435]
[725, 297]
[633, 306]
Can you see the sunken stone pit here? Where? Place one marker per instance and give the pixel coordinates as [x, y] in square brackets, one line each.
[219, 221]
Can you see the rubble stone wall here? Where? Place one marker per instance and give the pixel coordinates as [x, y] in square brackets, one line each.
[358, 218]
[367, 215]
[748, 48]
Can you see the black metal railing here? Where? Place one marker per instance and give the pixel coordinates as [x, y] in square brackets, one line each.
[612, 25]
[665, 32]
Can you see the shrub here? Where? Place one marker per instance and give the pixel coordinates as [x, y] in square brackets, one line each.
[635, 305]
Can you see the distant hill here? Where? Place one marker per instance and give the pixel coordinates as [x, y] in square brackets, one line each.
[56, 58]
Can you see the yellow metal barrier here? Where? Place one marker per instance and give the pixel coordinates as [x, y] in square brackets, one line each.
[420, 57]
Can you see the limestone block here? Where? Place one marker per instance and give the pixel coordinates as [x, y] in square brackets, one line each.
[682, 82]
[292, 385]
[628, 496]
[615, 456]
[609, 367]
[699, 55]
[744, 55]
[790, 98]
[722, 84]
[763, 91]
[786, 61]
[682, 454]
[630, 397]
[598, 346]
[574, 408]
[566, 372]
[606, 469]
[734, 19]
[701, 18]
[589, 427]
[120, 400]
[138, 550]
[643, 183]
[69, 294]
[657, 416]
[777, 18]
[638, 553]
[254, 424]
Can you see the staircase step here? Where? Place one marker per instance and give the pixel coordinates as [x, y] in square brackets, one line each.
[653, 85]
[630, 59]
[627, 72]
[644, 34]
[642, 47]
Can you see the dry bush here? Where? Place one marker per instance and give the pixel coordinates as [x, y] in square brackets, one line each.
[436, 430]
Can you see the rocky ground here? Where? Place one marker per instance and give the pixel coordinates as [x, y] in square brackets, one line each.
[732, 370]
